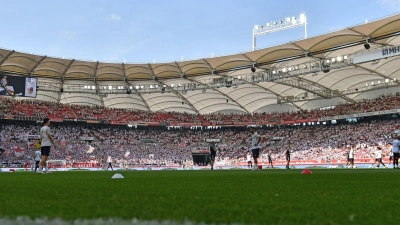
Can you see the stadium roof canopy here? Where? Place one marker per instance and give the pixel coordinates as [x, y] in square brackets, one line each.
[55, 74]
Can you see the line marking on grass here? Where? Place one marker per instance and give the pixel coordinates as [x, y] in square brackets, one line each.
[22, 220]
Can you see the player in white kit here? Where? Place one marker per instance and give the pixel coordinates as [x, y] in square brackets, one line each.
[38, 155]
[255, 146]
[378, 157]
[351, 158]
[249, 162]
[109, 160]
[46, 140]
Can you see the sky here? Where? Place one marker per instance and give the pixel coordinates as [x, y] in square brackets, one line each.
[134, 31]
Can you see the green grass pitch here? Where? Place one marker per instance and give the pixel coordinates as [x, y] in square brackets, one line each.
[222, 196]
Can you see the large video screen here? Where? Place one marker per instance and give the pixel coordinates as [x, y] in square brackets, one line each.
[18, 86]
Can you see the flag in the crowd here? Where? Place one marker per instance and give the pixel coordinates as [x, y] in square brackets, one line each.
[68, 157]
[89, 149]
[127, 154]
[18, 151]
[31, 144]
[63, 144]
[181, 145]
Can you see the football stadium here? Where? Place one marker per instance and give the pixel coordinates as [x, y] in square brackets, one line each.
[302, 132]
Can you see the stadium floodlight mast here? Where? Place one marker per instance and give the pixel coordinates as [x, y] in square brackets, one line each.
[287, 23]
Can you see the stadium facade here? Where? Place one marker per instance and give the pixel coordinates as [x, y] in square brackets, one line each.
[306, 74]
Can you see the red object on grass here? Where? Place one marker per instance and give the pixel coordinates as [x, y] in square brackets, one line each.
[306, 171]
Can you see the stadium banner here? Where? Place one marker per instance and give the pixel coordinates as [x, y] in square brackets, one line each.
[390, 111]
[57, 120]
[368, 114]
[141, 124]
[207, 124]
[226, 125]
[290, 122]
[153, 124]
[121, 123]
[384, 112]
[213, 140]
[87, 138]
[81, 120]
[92, 121]
[69, 120]
[8, 117]
[302, 121]
[33, 137]
[18, 86]
[376, 54]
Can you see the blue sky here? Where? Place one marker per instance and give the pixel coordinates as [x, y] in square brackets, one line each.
[166, 30]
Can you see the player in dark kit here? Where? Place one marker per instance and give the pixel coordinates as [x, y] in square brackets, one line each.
[213, 153]
[287, 155]
[270, 159]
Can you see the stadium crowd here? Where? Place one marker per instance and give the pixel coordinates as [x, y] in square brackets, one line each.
[58, 111]
[173, 147]
[159, 146]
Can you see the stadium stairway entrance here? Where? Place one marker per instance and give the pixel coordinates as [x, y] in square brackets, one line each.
[73, 112]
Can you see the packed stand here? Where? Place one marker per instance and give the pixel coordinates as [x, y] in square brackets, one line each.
[173, 147]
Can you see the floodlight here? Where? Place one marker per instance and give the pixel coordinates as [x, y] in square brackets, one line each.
[345, 57]
[109, 87]
[339, 58]
[333, 59]
[288, 19]
[267, 24]
[284, 70]
[172, 85]
[379, 81]
[256, 27]
[366, 84]
[302, 18]
[387, 80]
[273, 72]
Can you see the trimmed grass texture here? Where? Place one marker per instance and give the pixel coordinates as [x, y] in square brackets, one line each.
[222, 196]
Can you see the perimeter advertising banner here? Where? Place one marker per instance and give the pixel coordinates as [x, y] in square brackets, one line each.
[18, 86]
